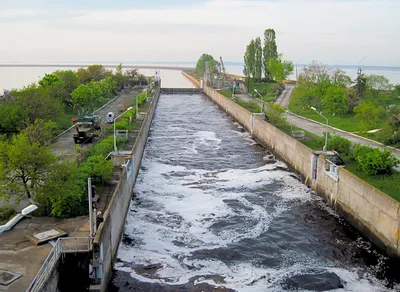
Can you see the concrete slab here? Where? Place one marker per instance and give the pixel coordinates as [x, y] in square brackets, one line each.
[7, 277]
[39, 238]
[19, 255]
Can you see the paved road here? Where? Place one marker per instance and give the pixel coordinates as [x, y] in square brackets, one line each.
[320, 129]
[284, 98]
[65, 146]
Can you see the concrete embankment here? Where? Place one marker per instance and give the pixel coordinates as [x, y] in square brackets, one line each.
[373, 213]
[109, 233]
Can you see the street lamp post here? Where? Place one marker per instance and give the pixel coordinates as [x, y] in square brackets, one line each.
[296, 68]
[115, 138]
[261, 100]
[361, 61]
[326, 128]
[136, 105]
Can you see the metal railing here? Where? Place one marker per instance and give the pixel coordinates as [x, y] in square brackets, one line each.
[62, 246]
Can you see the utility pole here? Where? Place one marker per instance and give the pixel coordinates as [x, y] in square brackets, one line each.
[296, 68]
[90, 199]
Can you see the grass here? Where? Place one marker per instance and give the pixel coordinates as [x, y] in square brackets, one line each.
[266, 90]
[226, 92]
[386, 183]
[389, 184]
[251, 106]
[348, 122]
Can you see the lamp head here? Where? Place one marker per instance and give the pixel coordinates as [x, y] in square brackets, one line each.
[313, 108]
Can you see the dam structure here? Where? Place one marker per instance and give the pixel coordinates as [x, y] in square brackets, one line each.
[212, 209]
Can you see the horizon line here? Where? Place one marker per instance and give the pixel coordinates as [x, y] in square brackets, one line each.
[112, 63]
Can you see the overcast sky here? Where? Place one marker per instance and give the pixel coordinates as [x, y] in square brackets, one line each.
[331, 31]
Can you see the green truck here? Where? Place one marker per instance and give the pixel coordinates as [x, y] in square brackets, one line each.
[87, 128]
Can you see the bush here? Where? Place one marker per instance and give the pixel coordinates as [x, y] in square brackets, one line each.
[6, 214]
[64, 194]
[275, 113]
[96, 167]
[68, 206]
[278, 88]
[102, 148]
[374, 161]
[339, 144]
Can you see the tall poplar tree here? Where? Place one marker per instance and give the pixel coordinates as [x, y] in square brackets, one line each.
[270, 51]
[258, 52]
[249, 61]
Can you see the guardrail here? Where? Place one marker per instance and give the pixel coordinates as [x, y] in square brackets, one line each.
[62, 246]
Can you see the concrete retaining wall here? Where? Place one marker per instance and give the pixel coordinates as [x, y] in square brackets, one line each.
[109, 233]
[372, 212]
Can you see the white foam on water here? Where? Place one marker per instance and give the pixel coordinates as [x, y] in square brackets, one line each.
[207, 138]
[177, 209]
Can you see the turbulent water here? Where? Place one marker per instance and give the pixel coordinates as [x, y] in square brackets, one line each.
[214, 211]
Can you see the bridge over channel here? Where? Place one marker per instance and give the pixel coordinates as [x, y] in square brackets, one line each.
[181, 90]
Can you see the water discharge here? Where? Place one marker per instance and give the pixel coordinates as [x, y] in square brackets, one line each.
[215, 211]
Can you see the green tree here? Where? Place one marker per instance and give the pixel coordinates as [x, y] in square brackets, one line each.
[378, 83]
[36, 103]
[313, 84]
[396, 89]
[40, 132]
[341, 79]
[212, 70]
[48, 80]
[11, 116]
[369, 115]
[24, 167]
[64, 192]
[91, 73]
[249, 63]
[68, 82]
[69, 78]
[82, 95]
[258, 57]
[394, 118]
[360, 85]
[201, 64]
[270, 51]
[288, 68]
[335, 100]
[279, 70]
[119, 77]
[353, 99]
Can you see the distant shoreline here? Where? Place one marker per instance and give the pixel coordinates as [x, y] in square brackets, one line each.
[105, 65]
[176, 65]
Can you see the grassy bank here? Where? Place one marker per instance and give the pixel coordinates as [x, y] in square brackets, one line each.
[386, 183]
[347, 122]
[266, 90]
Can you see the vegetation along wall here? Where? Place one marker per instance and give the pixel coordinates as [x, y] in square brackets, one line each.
[372, 212]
